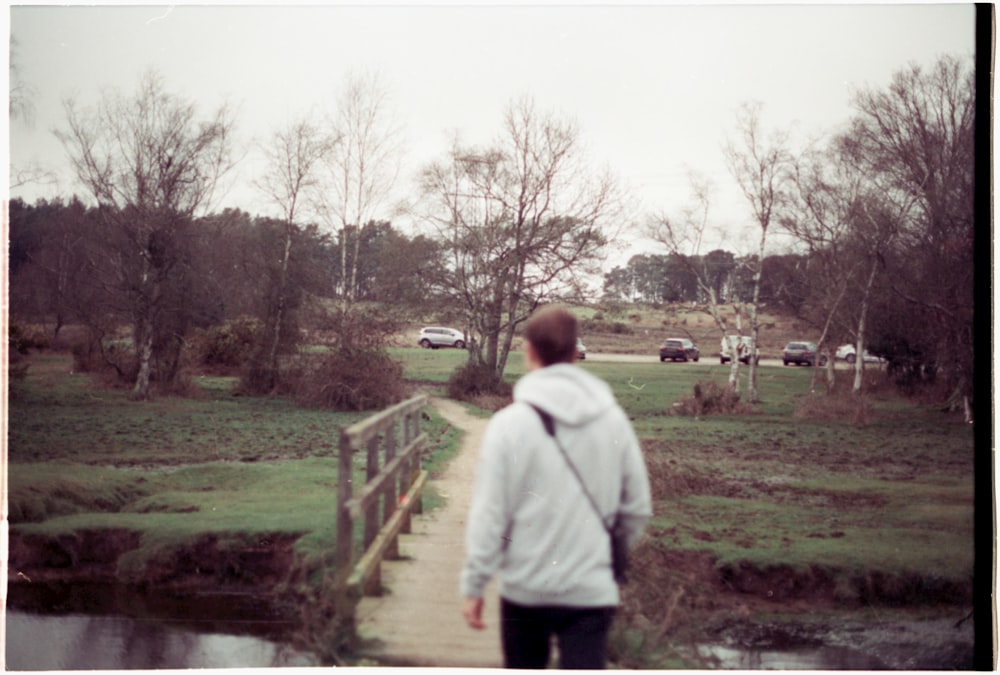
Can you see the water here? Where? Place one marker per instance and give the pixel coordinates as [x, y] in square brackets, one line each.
[80, 642]
[94, 627]
[792, 658]
[86, 628]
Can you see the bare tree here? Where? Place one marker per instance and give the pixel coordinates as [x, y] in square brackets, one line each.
[363, 167]
[760, 165]
[21, 101]
[523, 221]
[823, 215]
[291, 181]
[21, 106]
[914, 140]
[151, 165]
[683, 237]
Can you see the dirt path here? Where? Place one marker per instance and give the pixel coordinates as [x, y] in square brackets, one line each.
[418, 621]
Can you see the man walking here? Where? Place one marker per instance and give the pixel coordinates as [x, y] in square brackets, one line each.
[534, 513]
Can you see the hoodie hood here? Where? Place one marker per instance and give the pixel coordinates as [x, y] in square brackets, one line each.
[570, 394]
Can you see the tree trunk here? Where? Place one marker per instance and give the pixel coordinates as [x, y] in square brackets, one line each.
[279, 314]
[753, 394]
[144, 347]
[859, 360]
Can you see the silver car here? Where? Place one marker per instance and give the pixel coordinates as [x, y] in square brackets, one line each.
[849, 353]
[433, 337]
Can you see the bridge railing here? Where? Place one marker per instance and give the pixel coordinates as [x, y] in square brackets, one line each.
[391, 491]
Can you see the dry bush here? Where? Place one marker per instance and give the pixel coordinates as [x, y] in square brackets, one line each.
[711, 398]
[476, 381]
[22, 337]
[351, 371]
[656, 617]
[492, 402]
[347, 379]
[113, 366]
[225, 346]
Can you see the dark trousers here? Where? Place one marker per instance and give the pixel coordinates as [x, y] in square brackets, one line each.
[582, 634]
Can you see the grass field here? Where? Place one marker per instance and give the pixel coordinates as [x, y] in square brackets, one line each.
[805, 499]
[176, 469]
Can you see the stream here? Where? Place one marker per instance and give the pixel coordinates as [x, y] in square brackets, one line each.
[92, 627]
[97, 627]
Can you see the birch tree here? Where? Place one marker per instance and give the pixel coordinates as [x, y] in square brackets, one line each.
[760, 165]
[683, 237]
[362, 169]
[831, 215]
[290, 182]
[151, 164]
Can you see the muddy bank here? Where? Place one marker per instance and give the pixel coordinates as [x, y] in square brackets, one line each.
[205, 563]
[893, 640]
[910, 623]
[711, 611]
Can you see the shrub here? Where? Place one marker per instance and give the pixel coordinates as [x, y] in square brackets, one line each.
[711, 398]
[22, 337]
[227, 345]
[347, 379]
[113, 362]
[476, 380]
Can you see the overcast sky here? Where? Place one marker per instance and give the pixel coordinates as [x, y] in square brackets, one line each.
[653, 88]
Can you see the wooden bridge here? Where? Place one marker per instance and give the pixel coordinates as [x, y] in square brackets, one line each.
[400, 600]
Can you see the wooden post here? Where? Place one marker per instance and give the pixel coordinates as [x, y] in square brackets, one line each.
[417, 507]
[385, 481]
[344, 605]
[389, 499]
[372, 520]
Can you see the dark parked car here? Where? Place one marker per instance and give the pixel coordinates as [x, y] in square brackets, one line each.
[678, 349]
[802, 353]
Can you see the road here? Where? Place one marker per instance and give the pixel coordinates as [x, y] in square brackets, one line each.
[603, 357]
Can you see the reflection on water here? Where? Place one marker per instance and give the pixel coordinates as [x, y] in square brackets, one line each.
[83, 627]
[80, 642]
[793, 658]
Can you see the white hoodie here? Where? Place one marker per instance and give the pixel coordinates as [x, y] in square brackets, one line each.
[530, 518]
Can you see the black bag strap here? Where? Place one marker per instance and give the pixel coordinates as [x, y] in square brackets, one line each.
[550, 428]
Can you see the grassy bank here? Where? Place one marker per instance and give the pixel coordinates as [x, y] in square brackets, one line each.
[812, 499]
[814, 484]
[239, 469]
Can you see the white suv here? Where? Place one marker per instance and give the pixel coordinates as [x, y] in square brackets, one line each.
[433, 337]
[742, 343]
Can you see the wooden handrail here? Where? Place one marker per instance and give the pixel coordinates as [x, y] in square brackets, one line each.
[387, 474]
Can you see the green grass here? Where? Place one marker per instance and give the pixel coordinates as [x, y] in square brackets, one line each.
[773, 488]
[894, 494]
[178, 468]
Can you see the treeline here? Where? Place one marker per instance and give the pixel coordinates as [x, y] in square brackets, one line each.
[879, 220]
[216, 298]
[65, 267]
[653, 279]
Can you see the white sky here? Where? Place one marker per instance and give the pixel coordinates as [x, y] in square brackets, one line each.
[653, 88]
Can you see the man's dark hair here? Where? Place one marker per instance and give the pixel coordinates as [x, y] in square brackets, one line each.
[552, 331]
